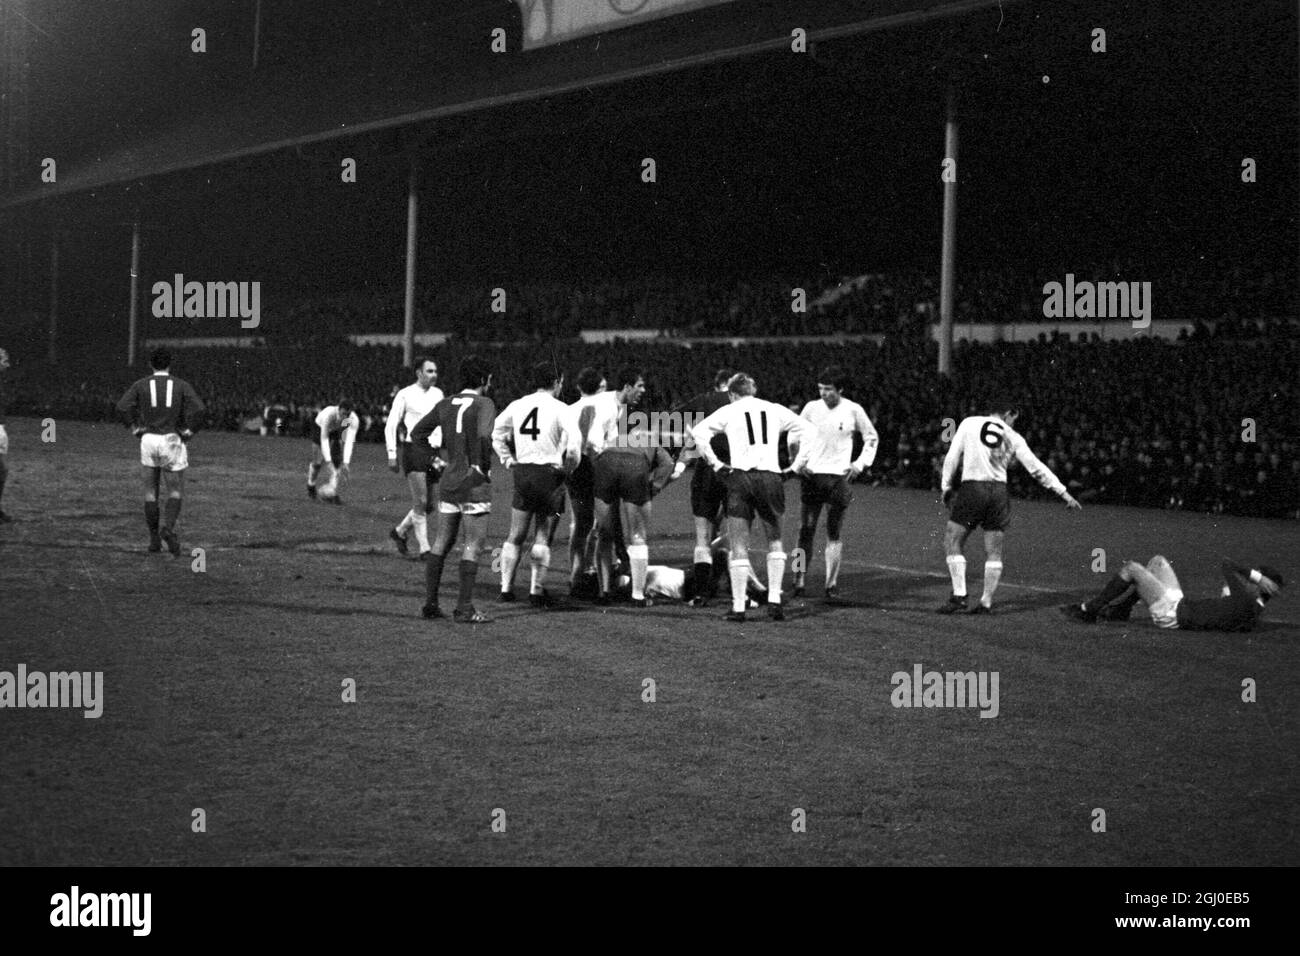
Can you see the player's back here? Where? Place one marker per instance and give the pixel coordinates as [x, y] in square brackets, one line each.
[539, 425]
[595, 415]
[987, 445]
[162, 404]
[465, 420]
[753, 428]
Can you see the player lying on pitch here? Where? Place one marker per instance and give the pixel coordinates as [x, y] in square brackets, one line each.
[1239, 607]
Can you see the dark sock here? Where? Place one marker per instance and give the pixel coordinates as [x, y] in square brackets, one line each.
[433, 578]
[1113, 590]
[171, 511]
[468, 569]
[3, 477]
[1124, 603]
[151, 516]
[702, 577]
[720, 572]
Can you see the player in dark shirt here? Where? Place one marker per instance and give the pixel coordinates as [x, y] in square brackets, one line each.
[4, 438]
[1239, 607]
[163, 412]
[460, 428]
[708, 490]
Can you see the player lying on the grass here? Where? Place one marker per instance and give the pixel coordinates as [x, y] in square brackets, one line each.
[537, 439]
[333, 433]
[1238, 608]
[163, 413]
[753, 428]
[4, 437]
[460, 428]
[824, 480]
[664, 583]
[416, 461]
[984, 445]
[708, 491]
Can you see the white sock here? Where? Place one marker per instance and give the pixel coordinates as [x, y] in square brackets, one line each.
[703, 555]
[739, 573]
[509, 561]
[541, 561]
[957, 571]
[638, 555]
[312, 472]
[834, 551]
[405, 524]
[775, 572]
[992, 575]
[421, 523]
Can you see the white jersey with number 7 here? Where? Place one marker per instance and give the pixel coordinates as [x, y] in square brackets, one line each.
[753, 428]
[985, 446]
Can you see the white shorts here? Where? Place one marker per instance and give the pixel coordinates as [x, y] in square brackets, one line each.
[164, 451]
[4, 441]
[1164, 613]
[468, 508]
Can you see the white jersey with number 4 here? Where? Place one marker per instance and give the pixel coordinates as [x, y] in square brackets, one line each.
[541, 428]
[985, 446]
[830, 449]
[753, 428]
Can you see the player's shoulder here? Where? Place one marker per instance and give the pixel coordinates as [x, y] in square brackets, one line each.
[814, 407]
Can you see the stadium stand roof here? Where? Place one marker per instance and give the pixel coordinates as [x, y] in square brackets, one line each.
[323, 105]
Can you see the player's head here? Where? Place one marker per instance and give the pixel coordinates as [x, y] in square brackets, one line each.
[589, 381]
[741, 386]
[1005, 408]
[721, 380]
[161, 360]
[475, 374]
[544, 377]
[630, 383]
[346, 405]
[426, 371]
[1274, 575]
[831, 384]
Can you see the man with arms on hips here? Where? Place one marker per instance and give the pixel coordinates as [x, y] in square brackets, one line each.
[754, 481]
[825, 478]
[416, 461]
[163, 412]
[984, 445]
[333, 433]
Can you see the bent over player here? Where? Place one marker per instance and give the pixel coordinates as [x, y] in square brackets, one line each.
[830, 467]
[333, 433]
[1238, 608]
[163, 412]
[984, 445]
[460, 427]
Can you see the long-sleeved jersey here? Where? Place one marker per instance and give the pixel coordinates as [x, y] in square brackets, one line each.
[161, 404]
[985, 445]
[331, 422]
[830, 447]
[409, 406]
[753, 428]
[463, 423]
[543, 431]
[1238, 610]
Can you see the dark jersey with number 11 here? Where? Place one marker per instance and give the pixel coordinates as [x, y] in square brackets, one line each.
[465, 425]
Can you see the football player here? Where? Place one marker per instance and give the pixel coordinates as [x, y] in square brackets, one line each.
[163, 412]
[416, 461]
[333, 433]
[708, 491]
[1238, 608]
[984, 445]
[582, 538]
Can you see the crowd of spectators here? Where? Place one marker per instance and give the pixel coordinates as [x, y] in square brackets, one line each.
[1203, 424]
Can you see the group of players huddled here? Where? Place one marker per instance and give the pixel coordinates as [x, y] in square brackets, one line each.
[608, 465]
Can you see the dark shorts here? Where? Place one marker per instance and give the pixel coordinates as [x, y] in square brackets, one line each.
[708, 492]
[581, 482]
[539, 489]
[336, 444]
[415, 458]
[981, 503]
[620, 476]
[751, 493]
[818, 490]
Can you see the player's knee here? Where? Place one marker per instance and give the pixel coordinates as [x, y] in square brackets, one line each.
[1159, 561]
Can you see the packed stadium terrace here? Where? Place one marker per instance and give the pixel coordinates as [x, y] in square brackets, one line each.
[1138, 422]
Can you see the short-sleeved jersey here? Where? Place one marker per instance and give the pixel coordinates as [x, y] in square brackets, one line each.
[161, 404]
[541, 429]
[409, 406]
[830, 446]
[597, 420]
[464, 422]
[753, 428]
[985, 446]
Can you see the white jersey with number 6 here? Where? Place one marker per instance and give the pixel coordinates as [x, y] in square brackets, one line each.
[542, 428]
[985, 445]
[753, 428]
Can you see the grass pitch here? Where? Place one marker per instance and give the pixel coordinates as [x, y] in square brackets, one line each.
[222, 691]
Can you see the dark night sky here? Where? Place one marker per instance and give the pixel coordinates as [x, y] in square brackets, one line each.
[773, 164]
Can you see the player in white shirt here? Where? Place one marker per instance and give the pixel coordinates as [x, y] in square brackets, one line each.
[829, 469]
[582, 538]
[333, 434]
[984, 445]
[536, 439]
[753, 428]
[409, 406]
